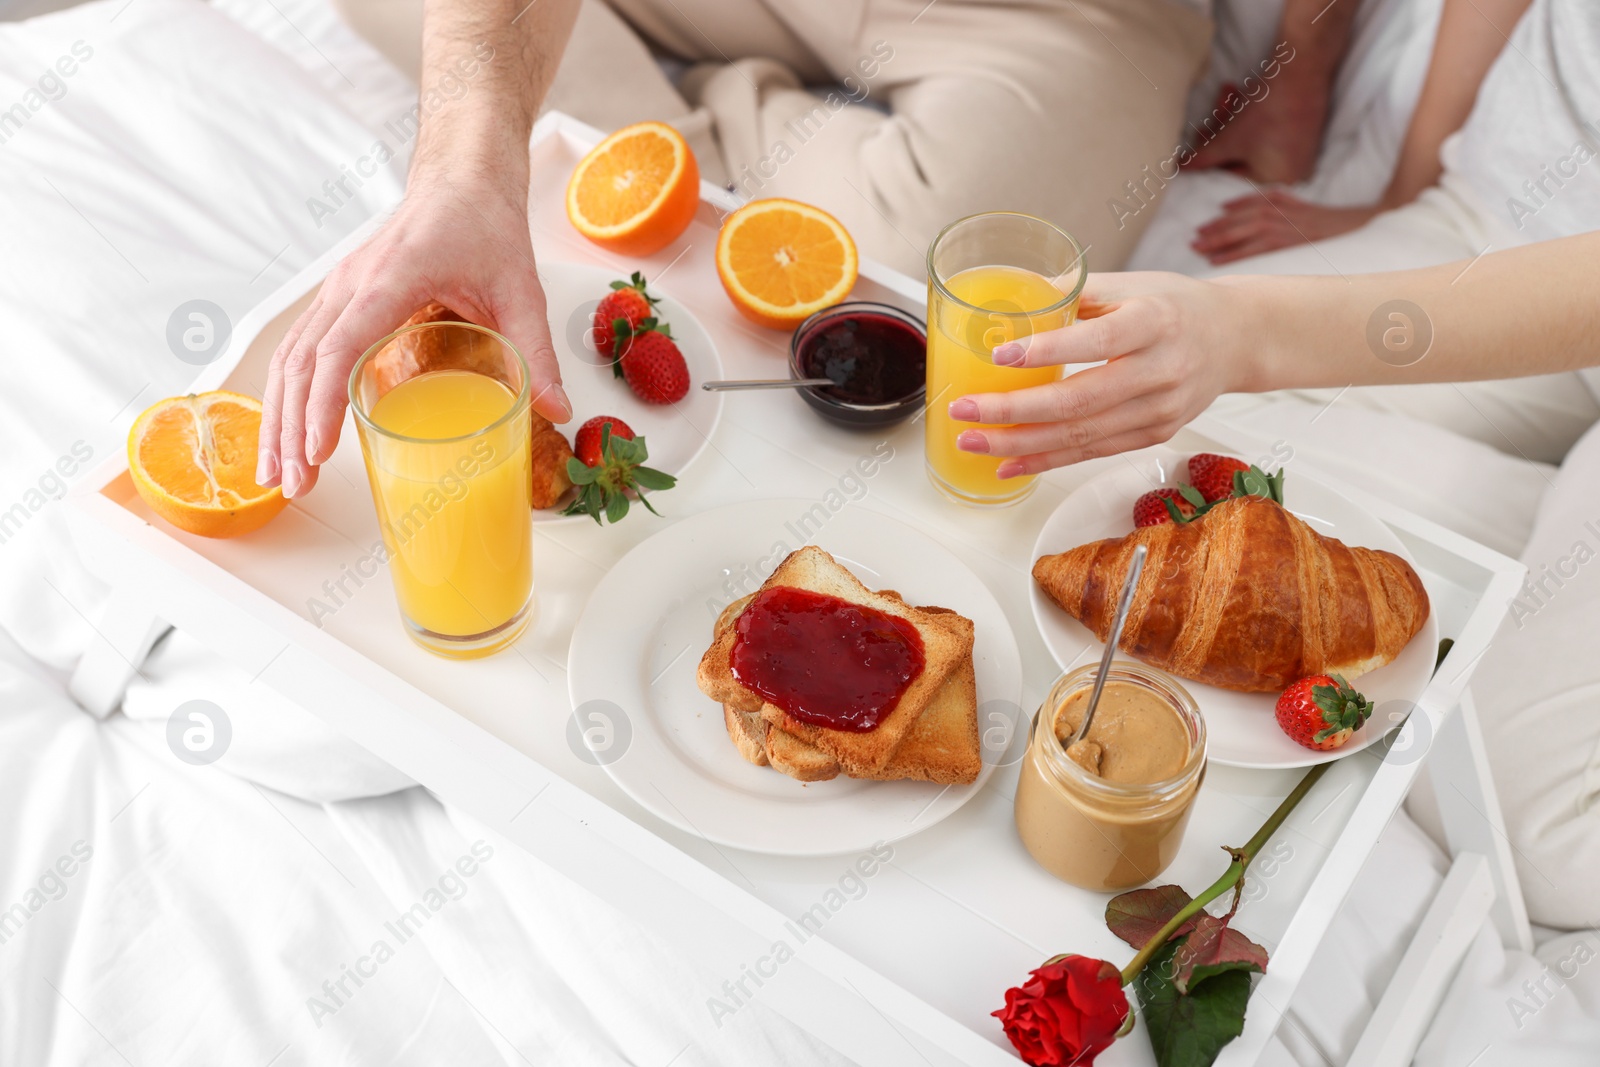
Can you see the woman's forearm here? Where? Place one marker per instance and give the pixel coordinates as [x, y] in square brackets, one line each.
[1471, 35]
[1527, 310]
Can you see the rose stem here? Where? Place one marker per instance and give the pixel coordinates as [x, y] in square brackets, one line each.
[1230, 878]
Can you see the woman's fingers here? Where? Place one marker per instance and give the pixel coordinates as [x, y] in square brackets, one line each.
[1039, 462]
[1267, 241]
[1104, 335]
[1155, 414]
[1083, 395]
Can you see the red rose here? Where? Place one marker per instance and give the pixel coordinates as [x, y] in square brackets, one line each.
[1067, 1013]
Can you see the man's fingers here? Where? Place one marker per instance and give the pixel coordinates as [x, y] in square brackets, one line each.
[521, 317]
[268, 451]
[374, 311]
[1222, 151]
[298, 371]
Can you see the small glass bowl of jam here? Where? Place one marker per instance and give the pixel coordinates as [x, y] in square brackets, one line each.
[875, 355]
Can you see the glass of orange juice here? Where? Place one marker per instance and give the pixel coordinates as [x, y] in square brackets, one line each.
[996, 277]
[443, 414]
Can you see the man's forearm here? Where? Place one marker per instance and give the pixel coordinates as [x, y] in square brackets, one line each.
[1508, 314]
[488, 65]
[1319, 33]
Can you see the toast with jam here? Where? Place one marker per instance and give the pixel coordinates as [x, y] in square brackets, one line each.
[932, 730]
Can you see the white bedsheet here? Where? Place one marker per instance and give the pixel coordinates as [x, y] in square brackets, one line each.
[206, 907]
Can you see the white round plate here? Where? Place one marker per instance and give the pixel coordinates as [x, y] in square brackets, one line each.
[1243, 731]
[675, 433]
[637, 646]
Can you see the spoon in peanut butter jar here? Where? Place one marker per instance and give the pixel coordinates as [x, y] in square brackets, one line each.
[1082, 751]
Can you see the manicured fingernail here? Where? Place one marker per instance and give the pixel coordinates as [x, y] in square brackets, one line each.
[291, 480]
[972, 441]
[1009, 469]
[964, 410]
[560, 396]
[266, 469]
[1009, 354]
[313, 447]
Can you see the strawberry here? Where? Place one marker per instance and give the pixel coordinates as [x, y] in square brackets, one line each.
[617, 469]
[628, 302]
[1187, 502]
[586, 443]
[1213, 474]
[1163, 505]
[651, 363]
[1322, 711]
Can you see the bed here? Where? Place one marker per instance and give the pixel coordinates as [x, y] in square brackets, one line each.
[154, 153]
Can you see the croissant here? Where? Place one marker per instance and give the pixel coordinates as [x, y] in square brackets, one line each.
[1247, 597]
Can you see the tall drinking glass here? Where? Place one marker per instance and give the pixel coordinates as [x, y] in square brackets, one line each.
[996, 277]
[443, 414]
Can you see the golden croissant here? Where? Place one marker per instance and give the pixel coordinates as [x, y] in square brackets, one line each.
[1247, 597]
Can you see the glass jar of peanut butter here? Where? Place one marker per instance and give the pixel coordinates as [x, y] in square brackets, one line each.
[1109, 812]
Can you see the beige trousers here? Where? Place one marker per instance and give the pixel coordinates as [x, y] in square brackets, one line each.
[897, 116]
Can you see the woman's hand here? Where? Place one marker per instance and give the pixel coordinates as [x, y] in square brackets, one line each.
[462, 242]
[1271, 219]
[1171, 345]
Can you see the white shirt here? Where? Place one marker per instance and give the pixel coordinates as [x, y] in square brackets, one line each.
[1530, 150]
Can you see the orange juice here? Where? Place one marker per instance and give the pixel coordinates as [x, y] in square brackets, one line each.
[993, 304]
[451, 484]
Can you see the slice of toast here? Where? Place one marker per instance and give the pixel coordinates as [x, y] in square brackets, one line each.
[749, 732]
[862, 754]
[942, 747]
[799, 760]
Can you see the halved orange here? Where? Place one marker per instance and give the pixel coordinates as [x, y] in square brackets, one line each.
[193, 460]
[636, 191]
[781, 260]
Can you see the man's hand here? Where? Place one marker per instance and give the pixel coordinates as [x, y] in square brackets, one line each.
[1271, 219]
[464, 246]
[460, 237]
[1275, 139]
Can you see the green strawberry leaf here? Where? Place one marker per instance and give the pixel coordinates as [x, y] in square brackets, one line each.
[616, 508]
[1139, 915]
[1212, 948]
[1191, 494]
[586, 503]
[620, 284]
[579, 472]
[650, 478]
[621, 336]
[651, 508]
[1190, 1029]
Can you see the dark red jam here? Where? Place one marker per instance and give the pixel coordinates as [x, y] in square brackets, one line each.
[824, 660]
[870, 358]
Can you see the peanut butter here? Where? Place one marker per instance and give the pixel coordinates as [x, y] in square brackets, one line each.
[1136, 736]
[1108, 812]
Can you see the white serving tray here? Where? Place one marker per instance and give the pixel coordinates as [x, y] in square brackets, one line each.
[909, 971]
